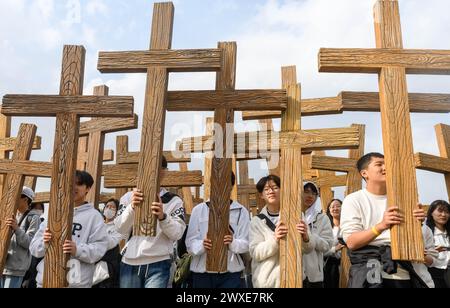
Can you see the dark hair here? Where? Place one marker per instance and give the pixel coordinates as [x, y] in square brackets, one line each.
[312, 187]
[329, 212]
[433, 207]
[28, 200]
[164, 163]
[84, 178]
[365, 161]
[116, 203]
[34, 205]
[263, 182]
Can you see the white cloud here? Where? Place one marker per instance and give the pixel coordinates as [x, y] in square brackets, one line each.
[94, 7]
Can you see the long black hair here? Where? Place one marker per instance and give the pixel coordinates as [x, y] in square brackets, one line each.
[329, 212]
[439, 204]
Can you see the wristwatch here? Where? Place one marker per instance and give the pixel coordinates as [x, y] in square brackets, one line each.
[164, 218]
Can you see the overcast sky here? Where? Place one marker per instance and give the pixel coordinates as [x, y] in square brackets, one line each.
[269, 34]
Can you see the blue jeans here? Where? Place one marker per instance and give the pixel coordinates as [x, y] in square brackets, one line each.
[10, 282]
[151, 276]
[216, 281]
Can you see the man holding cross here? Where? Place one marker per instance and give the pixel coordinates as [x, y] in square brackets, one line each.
[147, 261]
[89, 238]
[365, 225]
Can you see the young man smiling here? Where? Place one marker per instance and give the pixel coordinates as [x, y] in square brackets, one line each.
[365, 225]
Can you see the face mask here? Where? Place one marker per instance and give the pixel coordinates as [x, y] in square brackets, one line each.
[40, 212]
[109, 214]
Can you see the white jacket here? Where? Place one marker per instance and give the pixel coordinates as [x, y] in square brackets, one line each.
[321, 240]
[265, 253]
[144, 250]
[198, 229]
[89, 233]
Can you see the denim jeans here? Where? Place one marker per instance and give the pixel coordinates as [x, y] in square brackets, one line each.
[150, 276]
[216, 281]
[10, 282]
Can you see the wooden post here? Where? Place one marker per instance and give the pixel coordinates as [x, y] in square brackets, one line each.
[208, 161]
[67, 107]
[13, 189]
[392, 62]
[96, 130]
[244, 180]
[291, 187]
[438, 164]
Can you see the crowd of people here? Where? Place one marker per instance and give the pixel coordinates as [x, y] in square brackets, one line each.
[108, 255]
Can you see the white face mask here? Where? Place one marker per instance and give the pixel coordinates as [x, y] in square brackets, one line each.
[40, 212]
[109, 214]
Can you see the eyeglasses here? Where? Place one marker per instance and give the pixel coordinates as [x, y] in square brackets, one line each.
[273, 188]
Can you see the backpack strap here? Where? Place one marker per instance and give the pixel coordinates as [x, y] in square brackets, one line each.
[269, 222]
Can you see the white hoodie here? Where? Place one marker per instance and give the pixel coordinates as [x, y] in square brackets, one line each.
[144, 250]
[89, 233]
[265, 253]
[198, 229]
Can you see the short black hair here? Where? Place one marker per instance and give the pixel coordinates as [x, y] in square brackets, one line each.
[365, 161]
[35, 205]
[164, 163]
[263, 182]
[84, 178]
[28, 200]
[312, 187]
[115, 201]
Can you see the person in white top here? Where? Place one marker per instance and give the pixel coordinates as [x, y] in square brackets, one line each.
[147, 261]
[333, 256]
[366, 221]
[198, 244]
[321, 238]
[438, 219]
[266, 231]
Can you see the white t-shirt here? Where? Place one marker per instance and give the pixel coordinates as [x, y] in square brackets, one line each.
[441, 239]
[361, 211]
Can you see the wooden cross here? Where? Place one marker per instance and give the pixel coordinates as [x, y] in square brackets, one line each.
[67, 107]
[360, 102]
[392, 63]
[96, 130]
[13, 185]
[435, 163]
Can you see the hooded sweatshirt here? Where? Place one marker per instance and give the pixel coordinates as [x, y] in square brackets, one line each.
[321, 240]
[18, 259]
[144, 250]
[90, 235]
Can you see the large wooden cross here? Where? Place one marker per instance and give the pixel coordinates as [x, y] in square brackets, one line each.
[13, 184]
[435, 163]
[96, 130]
[392, 63]
[67, 107]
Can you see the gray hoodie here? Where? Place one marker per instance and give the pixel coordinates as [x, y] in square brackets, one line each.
[90, 235]
[19, 257]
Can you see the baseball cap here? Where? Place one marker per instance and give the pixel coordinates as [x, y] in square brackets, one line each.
[28, 192]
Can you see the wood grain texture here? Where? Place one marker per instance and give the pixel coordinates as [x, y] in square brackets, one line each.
[208, 160]
[108, 126]
[60, 214]
[125, 176]
[330, 181]
[244, 180]
[360, 102]
[291, 260]
[326, 192]
[329, 163]
[187, 192]
[239, 100]
[27, 168]
[193, 60]
[443, 138]
[406, 239]
[5, 132]
[370, 61]
[13, 189]
[354, 181]
[309, 140]
[152, 137]
[273, 160]
[432, 163]
[221, 188]
[8, 144]
[51, 105]
[171, 157]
